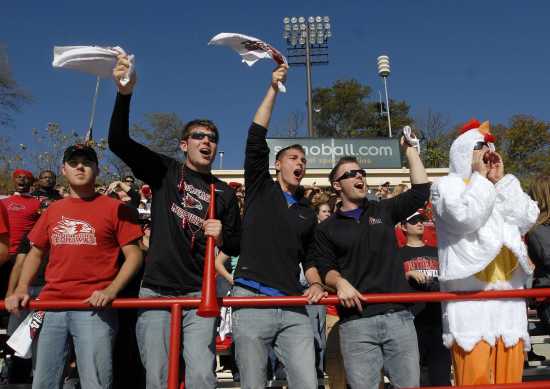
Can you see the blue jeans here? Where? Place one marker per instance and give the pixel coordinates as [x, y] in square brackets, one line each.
[318, 317]
[93, 334]
[287, 329]
[198, 342]
[383, 341]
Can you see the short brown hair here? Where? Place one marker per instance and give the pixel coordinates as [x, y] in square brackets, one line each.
[345, 159]
[295, 146]
[198, 123]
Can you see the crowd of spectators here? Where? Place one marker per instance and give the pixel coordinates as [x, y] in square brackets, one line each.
[274, 238]
[416, 235]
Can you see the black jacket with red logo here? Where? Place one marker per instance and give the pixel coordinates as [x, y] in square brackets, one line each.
[175, 259]
[365, 251]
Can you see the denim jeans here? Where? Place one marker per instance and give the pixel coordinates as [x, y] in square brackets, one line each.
[93, 334]
[287, 329]
[198, 342]
[318, 317]
[383, 341]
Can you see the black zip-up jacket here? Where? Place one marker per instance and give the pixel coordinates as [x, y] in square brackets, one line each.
[538, 246]
[364, 252]
[172, 263]
[275, 237]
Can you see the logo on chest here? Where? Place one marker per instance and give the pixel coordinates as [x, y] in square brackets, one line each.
[14, 207]
[73, 232]
[374, 220]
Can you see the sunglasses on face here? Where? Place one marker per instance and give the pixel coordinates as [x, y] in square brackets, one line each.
[351, 174]
[75, 162]
[199, 135]
[415, 221]
[479, 145]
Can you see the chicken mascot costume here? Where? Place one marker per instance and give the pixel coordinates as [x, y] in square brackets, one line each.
[480, 216]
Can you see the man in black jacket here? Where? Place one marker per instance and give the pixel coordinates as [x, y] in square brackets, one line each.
[278, 226]
[356, 252]
[175, 259]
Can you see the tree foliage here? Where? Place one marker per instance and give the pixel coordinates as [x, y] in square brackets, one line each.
[12, 96]
[524, 144]
[344, 110]
[160, 132]
[435, 139]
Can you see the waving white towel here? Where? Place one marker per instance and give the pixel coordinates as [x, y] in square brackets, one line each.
[99, 61]
[250, 49]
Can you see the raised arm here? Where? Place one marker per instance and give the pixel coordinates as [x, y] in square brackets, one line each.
[256, 163]
[263, 114]
[410, 201]
[146, 164]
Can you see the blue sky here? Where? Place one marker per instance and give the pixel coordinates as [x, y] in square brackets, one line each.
[488, 59]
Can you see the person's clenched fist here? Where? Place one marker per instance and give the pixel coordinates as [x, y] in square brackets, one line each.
[121, 71]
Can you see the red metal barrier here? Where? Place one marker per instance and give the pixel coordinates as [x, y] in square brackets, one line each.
[176, 305]
[175, 341]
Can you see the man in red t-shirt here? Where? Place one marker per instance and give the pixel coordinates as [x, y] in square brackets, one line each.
[84, 234]
[4, 234]
[23, 212]
[23, 209]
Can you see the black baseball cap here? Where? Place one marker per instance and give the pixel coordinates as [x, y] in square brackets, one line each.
[80, 149]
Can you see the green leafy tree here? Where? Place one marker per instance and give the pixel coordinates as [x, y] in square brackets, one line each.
[344, 110]
[524, 144]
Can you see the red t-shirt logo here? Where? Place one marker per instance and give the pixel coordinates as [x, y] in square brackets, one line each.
[73, 232]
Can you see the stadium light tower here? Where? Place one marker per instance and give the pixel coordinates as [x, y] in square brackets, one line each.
[307, 45]
[384, 71]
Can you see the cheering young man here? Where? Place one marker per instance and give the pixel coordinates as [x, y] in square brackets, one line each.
[356, 252]
[278, 226]
[84, 235]
[175, 259]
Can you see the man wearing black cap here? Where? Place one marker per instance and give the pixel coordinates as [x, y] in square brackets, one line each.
[84, 234]
[421, 266]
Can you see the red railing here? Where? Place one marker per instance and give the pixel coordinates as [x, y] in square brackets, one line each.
[176, 305]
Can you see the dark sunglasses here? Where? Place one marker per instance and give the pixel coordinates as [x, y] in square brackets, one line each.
[414, 221]
[75, 162]
[479, 145]
[199, 135]
[352, 173]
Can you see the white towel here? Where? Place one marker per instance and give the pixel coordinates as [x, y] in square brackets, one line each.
[99, 61]
[21, 340]
[250, 49]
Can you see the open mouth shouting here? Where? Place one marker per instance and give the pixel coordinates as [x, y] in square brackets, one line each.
[298, 174]
[359, 185]
[206, 152]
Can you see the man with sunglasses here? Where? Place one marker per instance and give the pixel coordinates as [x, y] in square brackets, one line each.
[421, 266]
[84, 235]
[278, 228]
[175, 259]
[356, 252]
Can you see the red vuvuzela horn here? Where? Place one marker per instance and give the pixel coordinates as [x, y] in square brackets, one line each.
[208, 306]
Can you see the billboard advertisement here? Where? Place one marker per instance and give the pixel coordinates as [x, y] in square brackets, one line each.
[323, 153]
